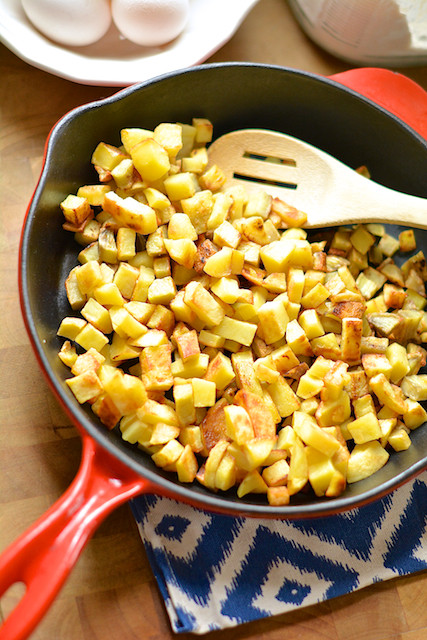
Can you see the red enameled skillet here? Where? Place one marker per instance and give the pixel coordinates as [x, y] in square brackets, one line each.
[326, 112]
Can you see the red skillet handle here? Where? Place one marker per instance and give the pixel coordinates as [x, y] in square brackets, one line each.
[44, 555]
[393, 91]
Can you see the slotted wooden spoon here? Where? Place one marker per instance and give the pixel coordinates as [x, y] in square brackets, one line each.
[328, 191]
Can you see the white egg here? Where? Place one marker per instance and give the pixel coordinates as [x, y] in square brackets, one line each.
[70, 22]
[150, 22]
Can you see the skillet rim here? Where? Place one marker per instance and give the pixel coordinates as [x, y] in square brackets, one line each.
[171, 487]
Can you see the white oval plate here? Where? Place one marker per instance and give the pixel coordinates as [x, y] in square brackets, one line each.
[114, 61]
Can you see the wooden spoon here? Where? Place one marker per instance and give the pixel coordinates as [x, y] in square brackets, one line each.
[328, 191]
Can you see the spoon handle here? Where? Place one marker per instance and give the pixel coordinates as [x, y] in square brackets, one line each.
[355, 199]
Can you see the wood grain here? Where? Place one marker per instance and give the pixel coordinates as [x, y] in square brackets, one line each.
[112, 592]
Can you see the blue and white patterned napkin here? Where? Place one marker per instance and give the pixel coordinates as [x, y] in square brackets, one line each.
[218, 571]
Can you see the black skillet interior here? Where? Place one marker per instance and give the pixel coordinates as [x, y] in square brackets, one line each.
[233, 96]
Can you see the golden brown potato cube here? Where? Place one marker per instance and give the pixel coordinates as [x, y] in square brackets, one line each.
[153, 412]
[180, 226]
[90, 360]
[241, 332]
[67, 354]
[204, 392]
[238, 424]
[94, 193]
[131, 213]
[124, 173]
[213, 178]
[86, 386]
[369, 282]
[297, 339]
[252, 483]
[226, 473]
[151, 159]
[365, 460]
[107, 156]
[106, 411]
[186, 465]
[70, 327]
[183, 251]
[188, 344]
[283, 397]
[415, 387]
[212, 463]
[284, 358]
[88, 277]
[309, 386]
[76, 210]
[315, 297]
[163, 433]
[156, 363]
[307, 429]
[213, 426]
[227, 289]
[415, 414]
[168, 454]
[265, 370]
[97, 315]
[276, 474]
[407, 241]
[351, 339]
[192, 436]
[226, 235]
[326, 345]
[291, 216]
[298, 467]
[184, 404]
[278, 496]
[259, 413]
[203, 130]
[203, 304]
[90, 336]
[169, 136]
[132, 136]
[273, 320]
[162, 319]
[126, 391]
[107, 246]
[387, 393]
[310, 322]
[394, 297]
[361, 239]
[243, 365]
[121, 350]
[161, 291]
[125, 242]
[332, 412]
[220, 371]
[365, 428]
[198, 207]
[196, 162]
[89, 234]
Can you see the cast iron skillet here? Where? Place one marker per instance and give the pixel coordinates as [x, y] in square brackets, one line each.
[234, 96]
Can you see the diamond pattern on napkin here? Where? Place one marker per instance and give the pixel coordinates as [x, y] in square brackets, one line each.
[218, 571]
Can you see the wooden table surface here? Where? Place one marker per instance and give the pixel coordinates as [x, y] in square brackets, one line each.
[112, 592]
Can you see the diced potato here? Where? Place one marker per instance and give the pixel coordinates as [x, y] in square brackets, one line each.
[85, 386]
[308, 430]
[204, 392]
[238, 424]
[203, 304]
[131, 213]
[365, 428]
[365, 460]
[415, 387]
